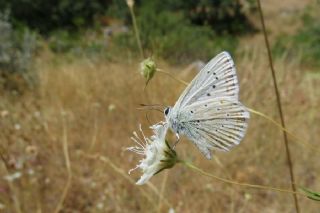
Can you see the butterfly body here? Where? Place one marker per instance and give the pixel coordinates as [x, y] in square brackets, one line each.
[208, 112]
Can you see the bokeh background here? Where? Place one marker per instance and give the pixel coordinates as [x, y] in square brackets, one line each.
[70, 88]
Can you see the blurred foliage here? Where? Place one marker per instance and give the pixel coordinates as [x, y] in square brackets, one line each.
[305, 42]
[222, 16]
[180, 31]
[172, 30]
[63, 41]
[80, 44]
[175, 39]
[48, 15]
[308, 40]
[17, 47]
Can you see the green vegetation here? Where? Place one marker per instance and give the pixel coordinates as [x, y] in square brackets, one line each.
[17, 47]
[78, 44]
[175, 39]
[48, 15]
[305, 42]
[178, 31]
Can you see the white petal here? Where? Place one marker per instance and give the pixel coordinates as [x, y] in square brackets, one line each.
[144, 178]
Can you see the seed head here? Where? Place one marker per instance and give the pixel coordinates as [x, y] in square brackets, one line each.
[147, 69]
[130, 3]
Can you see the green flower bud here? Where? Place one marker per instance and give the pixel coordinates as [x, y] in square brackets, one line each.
[147, 69]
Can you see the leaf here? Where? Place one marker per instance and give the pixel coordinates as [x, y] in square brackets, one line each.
[311, 194]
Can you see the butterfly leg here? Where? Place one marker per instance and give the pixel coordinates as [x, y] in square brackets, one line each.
[175, 143]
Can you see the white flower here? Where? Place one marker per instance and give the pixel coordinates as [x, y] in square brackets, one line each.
[158, 154]
[111, 107]
[12, 177]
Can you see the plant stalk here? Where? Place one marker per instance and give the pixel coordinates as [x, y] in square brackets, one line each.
[193, 167]
[68, 165]
[172, 76]
[136, 31]
[285, 137]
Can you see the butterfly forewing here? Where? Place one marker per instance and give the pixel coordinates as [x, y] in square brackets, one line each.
[217, 79]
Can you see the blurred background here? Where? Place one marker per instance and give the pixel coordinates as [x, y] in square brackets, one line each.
[70, 88]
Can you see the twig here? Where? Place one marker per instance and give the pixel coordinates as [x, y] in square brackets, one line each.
[285, 137]
[68, 165]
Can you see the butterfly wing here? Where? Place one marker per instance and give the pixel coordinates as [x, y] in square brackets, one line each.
[219, 124]
[208, 111]
[218, 78]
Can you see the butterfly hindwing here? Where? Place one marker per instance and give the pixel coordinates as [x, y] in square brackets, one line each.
[220, 123]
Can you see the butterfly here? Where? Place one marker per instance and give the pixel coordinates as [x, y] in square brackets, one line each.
[208, 112]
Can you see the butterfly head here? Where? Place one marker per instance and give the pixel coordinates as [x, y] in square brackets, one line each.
[167, 111]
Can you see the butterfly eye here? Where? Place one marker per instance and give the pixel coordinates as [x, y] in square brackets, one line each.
[166, 111]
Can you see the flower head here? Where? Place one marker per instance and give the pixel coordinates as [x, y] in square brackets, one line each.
[158, 154]
[147, 69]
[130, 3]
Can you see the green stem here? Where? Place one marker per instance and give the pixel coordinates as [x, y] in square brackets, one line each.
[136, 31]
[299, 140]
[172, 76]
[200, 171]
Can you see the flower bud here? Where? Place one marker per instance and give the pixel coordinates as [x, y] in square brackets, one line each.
[147, 69]
[130, 3]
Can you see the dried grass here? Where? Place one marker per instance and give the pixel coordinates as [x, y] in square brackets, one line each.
[99, 101]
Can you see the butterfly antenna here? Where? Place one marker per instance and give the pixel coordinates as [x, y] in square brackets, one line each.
[156, 107]
[153, 105]
[148, 119]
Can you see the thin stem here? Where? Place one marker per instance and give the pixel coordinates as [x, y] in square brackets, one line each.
[136, 31]
[285, 137]
[117, 169]
[254, 112]
[68, 165]
[193, 167]
[12, 188]
[299, 140]
[95, 131]
[172, 76]
[163, 187]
